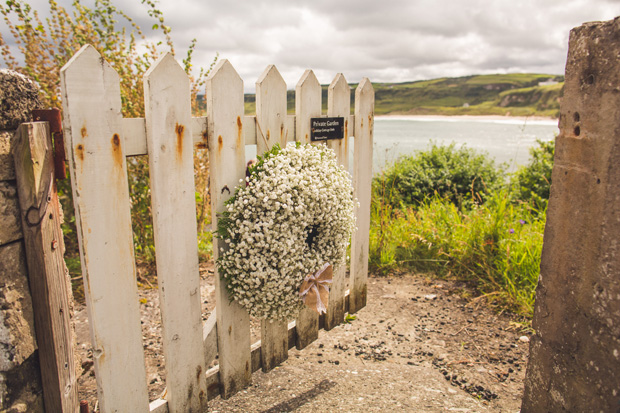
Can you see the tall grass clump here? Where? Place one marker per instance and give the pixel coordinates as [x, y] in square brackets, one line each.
[493, 241]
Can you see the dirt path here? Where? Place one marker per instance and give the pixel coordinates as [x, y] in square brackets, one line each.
[416, 347]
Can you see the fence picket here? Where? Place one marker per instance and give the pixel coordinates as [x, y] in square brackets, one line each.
[362, 177]
[307, 105]
[338, 104]
[271, 125]
[93, 139]
[98, 140]
[209, 337]
[171, 160]
[225, 113]
[271, 128]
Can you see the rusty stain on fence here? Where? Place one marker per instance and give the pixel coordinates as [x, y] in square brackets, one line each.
[179, 129]
[117, 152]
[239, 131]
[79, 150]
[204, 144]
[84, 132]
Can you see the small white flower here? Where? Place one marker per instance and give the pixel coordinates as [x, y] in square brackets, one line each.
[299, 191]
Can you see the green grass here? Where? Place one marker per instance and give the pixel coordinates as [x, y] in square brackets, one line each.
[495, 247]
[490, 235]
[483, 94]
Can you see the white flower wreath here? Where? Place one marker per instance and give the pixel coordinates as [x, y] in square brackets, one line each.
[293, 214]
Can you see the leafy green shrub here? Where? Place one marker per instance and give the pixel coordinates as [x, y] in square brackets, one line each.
[461, 175]
[495, 247]
[531, 183]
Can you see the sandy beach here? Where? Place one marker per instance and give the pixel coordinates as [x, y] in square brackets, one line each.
[535, 120]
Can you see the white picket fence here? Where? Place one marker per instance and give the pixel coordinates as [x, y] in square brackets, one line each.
[98, 140]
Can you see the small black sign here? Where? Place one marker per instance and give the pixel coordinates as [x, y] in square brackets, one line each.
[322, 129]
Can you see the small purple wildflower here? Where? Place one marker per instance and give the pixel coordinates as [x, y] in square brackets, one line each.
[522, 222]
[512, 231]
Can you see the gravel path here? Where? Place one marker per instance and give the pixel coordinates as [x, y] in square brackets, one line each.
[417, 347]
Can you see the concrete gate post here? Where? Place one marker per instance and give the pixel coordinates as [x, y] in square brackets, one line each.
[575, 354]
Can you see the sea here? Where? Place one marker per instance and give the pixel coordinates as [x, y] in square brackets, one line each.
[506, 139]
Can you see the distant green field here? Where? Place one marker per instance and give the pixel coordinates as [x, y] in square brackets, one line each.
[517, 94]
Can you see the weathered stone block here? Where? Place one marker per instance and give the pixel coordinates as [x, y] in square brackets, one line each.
[18, 97]
[10, 221]
[7, 169]
[20, 388]
[17, 334]
[575, 355]
[18, 360]
[20, 379]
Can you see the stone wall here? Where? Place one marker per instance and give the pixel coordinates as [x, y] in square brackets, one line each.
[575, 354]
[20, 382]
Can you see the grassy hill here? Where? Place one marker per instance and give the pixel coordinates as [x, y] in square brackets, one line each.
[517, 94]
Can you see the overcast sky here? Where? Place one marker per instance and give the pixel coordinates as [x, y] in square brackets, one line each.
[385, 40]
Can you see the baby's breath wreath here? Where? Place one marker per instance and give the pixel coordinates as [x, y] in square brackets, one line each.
[293, 215]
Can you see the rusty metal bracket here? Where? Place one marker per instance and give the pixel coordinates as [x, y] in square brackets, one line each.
[54, 118]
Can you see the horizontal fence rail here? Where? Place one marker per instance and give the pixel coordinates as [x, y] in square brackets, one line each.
[98, 141]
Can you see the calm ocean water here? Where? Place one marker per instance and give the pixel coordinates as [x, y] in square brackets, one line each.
[507, 140]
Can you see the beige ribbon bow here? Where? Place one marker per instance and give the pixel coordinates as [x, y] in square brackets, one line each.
[314, 290]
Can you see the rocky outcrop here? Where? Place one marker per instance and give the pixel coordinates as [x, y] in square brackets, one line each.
[20, 382]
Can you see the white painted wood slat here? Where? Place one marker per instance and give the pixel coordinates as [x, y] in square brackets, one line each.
[171, 169]
[94, 144]
[249, 130]
[271, 116]
[225, 113]
[338, 104]
[134, 133]
[209, 337]
[134, 136]
[271, 128]
[290, 128]
[362, 177]
[307, 105]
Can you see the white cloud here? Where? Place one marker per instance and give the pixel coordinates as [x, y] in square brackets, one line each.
[390, 40]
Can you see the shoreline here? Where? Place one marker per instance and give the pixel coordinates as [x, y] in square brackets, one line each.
[541, 120]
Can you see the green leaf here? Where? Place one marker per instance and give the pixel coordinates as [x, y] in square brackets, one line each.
[348, 318]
